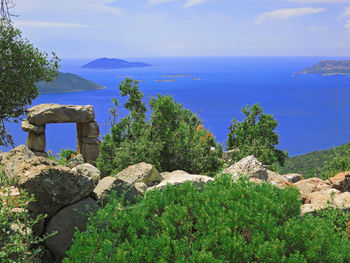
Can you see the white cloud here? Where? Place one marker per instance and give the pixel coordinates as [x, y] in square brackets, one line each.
[320, 1]
[157, 2]
[288, 13]
[194, 2]
[346, 12]
[347, 25]
[188, 3]
[47, 24]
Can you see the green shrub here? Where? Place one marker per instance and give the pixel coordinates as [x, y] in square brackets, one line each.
[339, 163]
[173, 138]
[225, 221]
[17, 242]
[255, 135]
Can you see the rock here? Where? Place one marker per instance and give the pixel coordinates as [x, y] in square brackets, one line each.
[121, 187]
[31, 128]
[308, 186]
[65, 222]
[41, 154]
[141, 187]
[275, 177]
[249, 166]
[319, 199]
[180, 177]
[53, 186]
[13, 159]
[56, 113]
[88, 129]
[342, 201]
[88, 170]
[341, 181]
[36, 142]
[293, 178]
[90, 149]
[309, 208]
[142, 172]
[75, 161]
[10, 195]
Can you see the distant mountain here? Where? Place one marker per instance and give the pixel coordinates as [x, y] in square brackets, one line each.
[67, 82]
[329, 67]
[113, 63]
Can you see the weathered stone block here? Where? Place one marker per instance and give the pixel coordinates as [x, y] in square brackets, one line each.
[56, 113]
[90, 152]
[31, 128]
[36, 142]
[88, 129]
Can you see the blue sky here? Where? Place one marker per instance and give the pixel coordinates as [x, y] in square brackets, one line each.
[159, 28]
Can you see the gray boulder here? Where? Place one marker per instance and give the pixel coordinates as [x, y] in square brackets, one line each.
[88, 170]
[142, 172]
[180, 177]
[293, 178]
[56, 113]
[75, 161]
[12, 160]
[121, 187]
[53, 186]
[65, 222]
[249, 166]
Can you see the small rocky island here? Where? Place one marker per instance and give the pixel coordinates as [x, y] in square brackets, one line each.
[329, 67]
[67, 82]
[113, 63]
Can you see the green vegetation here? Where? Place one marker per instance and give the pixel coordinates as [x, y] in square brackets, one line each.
[329, 67]
[173, 138]
[224, 222]
[63, 157]
[17, 241]
[67, 82]
[255, 135]
[322, 164]
[22, 66]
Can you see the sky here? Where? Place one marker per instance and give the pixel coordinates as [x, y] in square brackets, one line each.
[168, 28]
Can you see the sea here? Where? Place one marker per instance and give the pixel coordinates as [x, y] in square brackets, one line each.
[313, 111]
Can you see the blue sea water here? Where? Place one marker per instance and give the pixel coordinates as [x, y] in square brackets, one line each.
[313, 111]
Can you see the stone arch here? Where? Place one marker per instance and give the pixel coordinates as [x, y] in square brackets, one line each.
[83, 115]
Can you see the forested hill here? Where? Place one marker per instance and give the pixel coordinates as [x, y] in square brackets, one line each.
[67, 82]
[329, 67]
[313, 163]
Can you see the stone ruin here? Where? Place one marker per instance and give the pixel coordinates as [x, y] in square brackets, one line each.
[84, 117]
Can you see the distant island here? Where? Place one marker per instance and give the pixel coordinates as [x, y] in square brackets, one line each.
[113, 63]
[67, 82]
[329, 67]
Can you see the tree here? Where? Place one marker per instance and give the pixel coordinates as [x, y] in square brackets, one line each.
[21, 67]
[255, 135]
[172, 138]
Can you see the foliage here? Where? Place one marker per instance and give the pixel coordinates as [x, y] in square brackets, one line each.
[225, 221]
[320, 163]
[173, 138]
[22, 66]
[17, 242]
[255, 135]
[63, 157]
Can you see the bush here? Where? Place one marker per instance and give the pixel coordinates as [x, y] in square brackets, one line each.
[63, 157]
[17, 242]
[225, 221]
[255, 135]
[173, 138]
[339, 163]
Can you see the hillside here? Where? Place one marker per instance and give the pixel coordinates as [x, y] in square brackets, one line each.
[311, 164]
[329, 67]
[113, 63]
[67, 82]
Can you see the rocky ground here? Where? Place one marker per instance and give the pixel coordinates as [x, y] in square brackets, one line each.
[68, 194]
